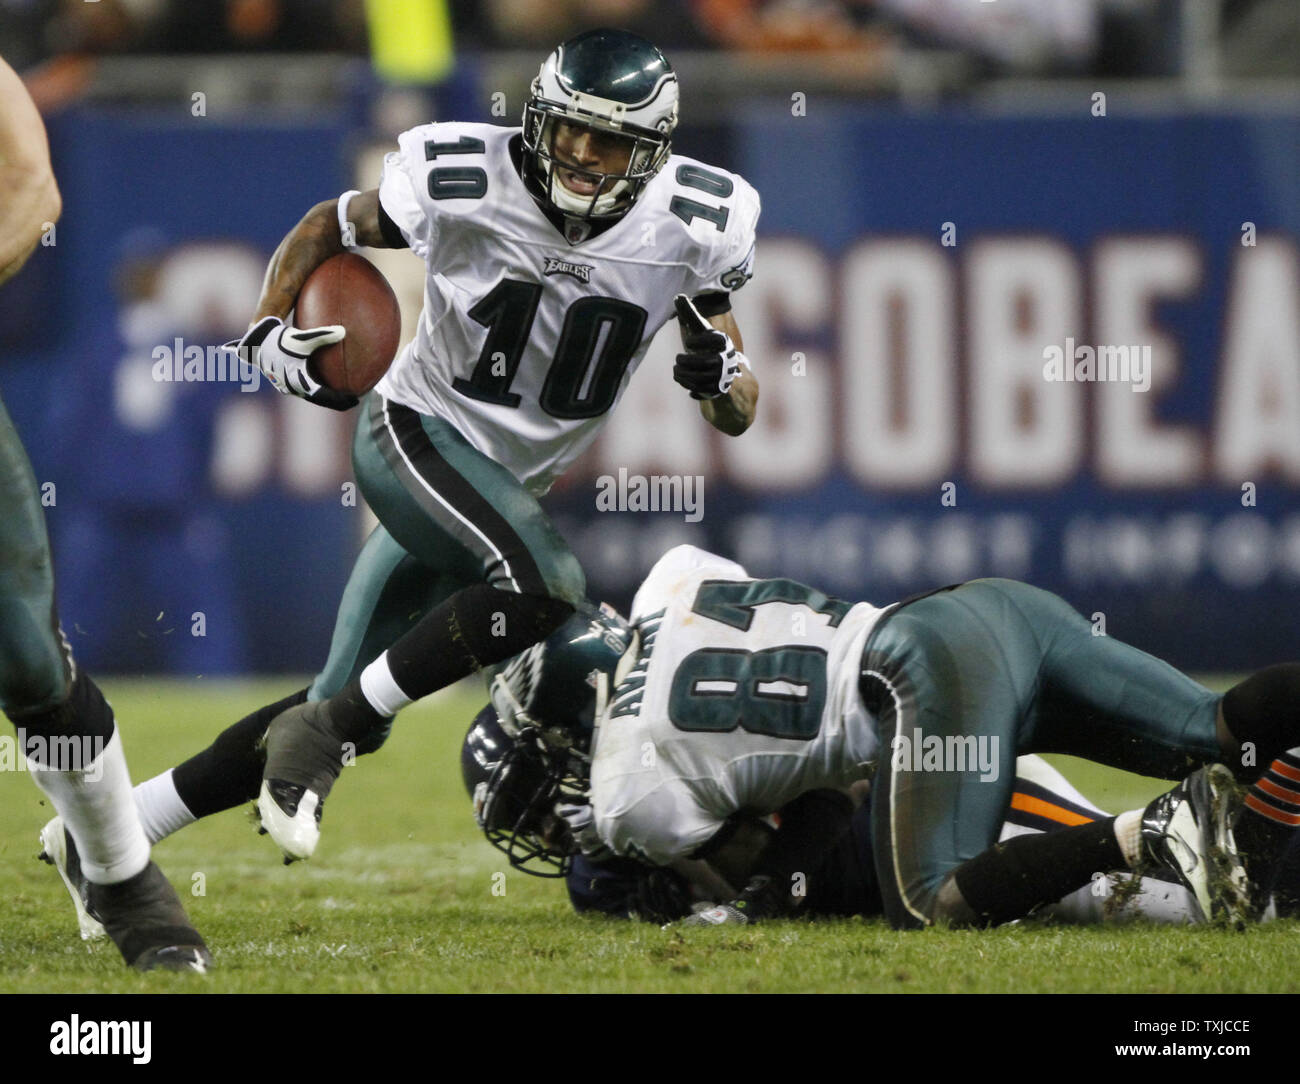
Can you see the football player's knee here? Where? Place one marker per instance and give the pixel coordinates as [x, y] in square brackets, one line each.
[906, 910]
[33, 676]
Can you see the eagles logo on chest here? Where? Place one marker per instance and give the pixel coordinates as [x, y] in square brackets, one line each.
[556, 266]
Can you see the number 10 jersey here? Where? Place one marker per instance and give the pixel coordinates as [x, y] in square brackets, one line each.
[526, 342]
[742, 695]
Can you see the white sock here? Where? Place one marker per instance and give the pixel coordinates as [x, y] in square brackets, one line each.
[1128, 832]
[161, 810]
[98, 811]
[380, 690]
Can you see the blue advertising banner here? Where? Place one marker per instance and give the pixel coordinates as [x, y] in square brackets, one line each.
[177, 495]
[1064, 349]
[1060, 349]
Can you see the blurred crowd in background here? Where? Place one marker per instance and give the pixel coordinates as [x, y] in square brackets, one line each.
[187, 135]
[54, 42]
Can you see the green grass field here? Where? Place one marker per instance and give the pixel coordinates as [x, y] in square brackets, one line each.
[400, 899]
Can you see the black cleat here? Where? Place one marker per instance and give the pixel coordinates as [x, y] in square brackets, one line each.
[188, 958]
[1187, 832]
[144, 917]
[304, 756]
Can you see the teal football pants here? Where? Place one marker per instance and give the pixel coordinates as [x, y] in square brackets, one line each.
[449, 517]
[35, 662]
[963, 681]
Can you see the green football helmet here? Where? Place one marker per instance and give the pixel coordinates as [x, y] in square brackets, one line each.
[614, 82]
[555, 690]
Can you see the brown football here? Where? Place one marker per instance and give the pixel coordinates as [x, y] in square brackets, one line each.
[347, 289]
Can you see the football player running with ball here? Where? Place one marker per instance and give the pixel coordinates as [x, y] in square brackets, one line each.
[554, 253]
[65, 726]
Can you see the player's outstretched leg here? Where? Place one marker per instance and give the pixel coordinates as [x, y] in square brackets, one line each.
[1015, 668]
[97, 842]
[308, 746]
[224, 775]
[386, 594]
[453, 509]
[67, 733]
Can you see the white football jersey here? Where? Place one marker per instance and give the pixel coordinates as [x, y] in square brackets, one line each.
[527, 342]
[742, 695]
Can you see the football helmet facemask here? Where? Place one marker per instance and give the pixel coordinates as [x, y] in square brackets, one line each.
[514, 789]
[531, 748]
[610, 81]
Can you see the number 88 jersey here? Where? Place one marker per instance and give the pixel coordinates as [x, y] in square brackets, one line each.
[527, 341]
[742, 696]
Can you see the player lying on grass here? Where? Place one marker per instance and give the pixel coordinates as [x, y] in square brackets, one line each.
[514, 798]
[739, 695]
[554, 253]
[66, 727]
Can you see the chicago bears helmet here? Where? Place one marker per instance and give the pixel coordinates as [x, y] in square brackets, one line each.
[531, 747]
[611, 81]
[513, 789]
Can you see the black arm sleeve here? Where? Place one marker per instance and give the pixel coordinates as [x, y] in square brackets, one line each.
[392, 235]
[714, 303]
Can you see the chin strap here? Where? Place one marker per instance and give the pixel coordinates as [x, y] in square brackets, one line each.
[605, 685]
[602, 705]
[509, 710]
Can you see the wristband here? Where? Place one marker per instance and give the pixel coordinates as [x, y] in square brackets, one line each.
[346, 229]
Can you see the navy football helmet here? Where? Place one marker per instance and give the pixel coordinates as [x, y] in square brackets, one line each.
[514, 790]
[614, 82]
[531, 747]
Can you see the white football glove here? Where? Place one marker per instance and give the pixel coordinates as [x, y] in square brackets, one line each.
[281, 352]
[577, 815]
[711, 362]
